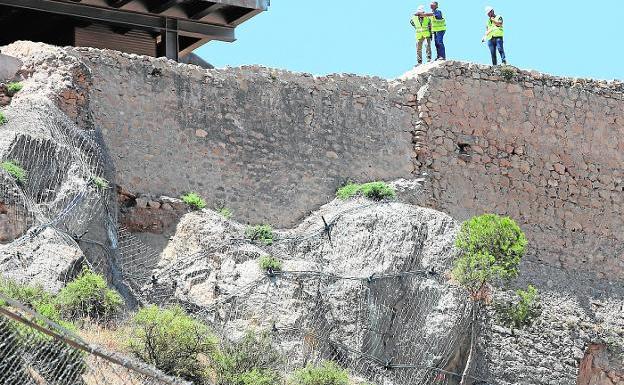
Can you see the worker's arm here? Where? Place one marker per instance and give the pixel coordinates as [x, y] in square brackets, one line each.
[487, 32]
[412, 23]
[498, 21]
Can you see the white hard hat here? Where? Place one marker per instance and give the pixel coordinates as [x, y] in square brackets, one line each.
[488, 9]
[421, 9]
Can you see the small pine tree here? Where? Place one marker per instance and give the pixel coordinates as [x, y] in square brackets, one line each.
[492, 247]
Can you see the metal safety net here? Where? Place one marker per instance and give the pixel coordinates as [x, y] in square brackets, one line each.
[35, 351]
[406, 326]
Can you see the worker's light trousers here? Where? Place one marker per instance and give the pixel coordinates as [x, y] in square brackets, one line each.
[419, 45]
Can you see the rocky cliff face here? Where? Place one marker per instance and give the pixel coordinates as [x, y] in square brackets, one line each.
[55, 201]
[371, 290]
[369, 293]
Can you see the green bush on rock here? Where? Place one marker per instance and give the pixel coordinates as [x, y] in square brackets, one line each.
[508, 72]
[262, 233]
[172, 341]
[525, 309]
[328, 373]
[194, 201]
[15, 170]
[89, 296]
[492, 247]
[270, 263]
[250, 361]
[14, 88]
[225, 212]
[373, 190]
[100, 183]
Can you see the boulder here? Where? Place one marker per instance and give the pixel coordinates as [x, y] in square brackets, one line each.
[47, 260]
[373, 296]
[8, 67]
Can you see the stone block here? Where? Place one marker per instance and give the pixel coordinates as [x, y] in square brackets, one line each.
[8, 67]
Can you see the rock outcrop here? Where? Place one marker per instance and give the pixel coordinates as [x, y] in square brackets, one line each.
[371, 292]
[363, 283]
[45, 213]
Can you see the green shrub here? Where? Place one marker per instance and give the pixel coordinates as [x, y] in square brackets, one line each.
[508, 72]
[377, 191]
[48, 352]
[88, 295]
[258, 377]
[14, 169]
[225, 212]
[251, 361]
[3, 119]
[38, 300]
[525, 309]
[14, 88]
[31, 296]
[328, 373]
[194, 200]
[100, 183]
[172, 341]
[372, 190]
[270, 263]
[492, 247]
[348, 191]
[262, 233]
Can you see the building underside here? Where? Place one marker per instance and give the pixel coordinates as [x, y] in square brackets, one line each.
[171, 28]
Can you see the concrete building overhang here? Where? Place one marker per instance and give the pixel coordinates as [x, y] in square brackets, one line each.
[177, 26]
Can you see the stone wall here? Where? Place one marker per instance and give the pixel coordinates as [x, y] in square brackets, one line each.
[270, 145]
[547, 151]
[274, 145]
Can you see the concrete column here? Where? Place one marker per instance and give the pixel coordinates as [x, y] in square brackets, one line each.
[170, 38]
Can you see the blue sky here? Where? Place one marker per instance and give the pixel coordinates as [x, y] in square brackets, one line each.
[375, 38]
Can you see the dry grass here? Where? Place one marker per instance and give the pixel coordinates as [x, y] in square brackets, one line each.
[111, 339]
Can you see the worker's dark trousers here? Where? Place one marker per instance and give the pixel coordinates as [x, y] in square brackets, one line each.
[494, 43]
[438, 37]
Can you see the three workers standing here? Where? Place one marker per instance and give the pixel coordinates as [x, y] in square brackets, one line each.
[434, 24]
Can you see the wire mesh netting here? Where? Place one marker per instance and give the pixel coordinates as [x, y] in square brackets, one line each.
[34, 350]
[404, 327]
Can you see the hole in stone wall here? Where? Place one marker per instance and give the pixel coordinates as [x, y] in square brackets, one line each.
[464, 151]
[464, 148]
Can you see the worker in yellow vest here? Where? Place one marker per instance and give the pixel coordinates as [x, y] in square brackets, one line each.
[438, 27]
[494, 35]
[423, 33]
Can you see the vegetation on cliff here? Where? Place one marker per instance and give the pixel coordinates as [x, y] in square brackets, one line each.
[13, 168]
[373, 190]
[195, 201]
[262, 233]
[492, 247]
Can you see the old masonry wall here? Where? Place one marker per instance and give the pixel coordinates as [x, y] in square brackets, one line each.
[274, 145]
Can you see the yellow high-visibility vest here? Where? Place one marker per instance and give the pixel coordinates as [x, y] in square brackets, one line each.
[438, 25]
[422, 29]
[494, 30]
